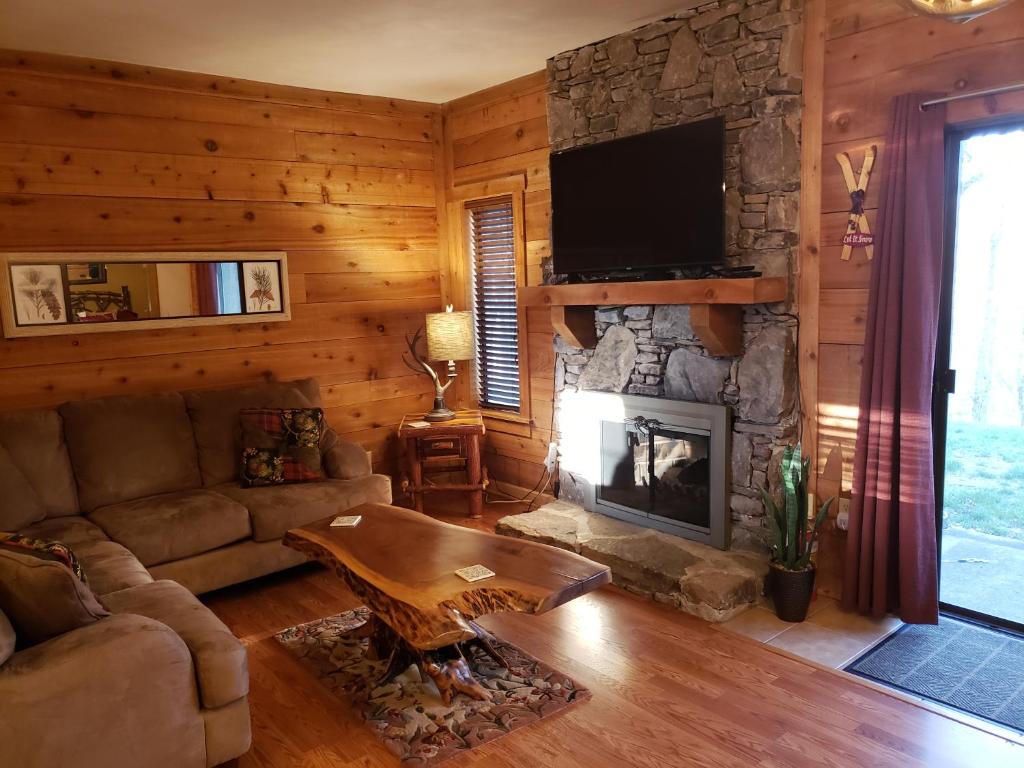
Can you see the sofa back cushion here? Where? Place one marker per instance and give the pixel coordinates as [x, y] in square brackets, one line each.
[7, 638]
[214, 415]
[41, 594]
[124, 448]
[34, 440]
[19, 504]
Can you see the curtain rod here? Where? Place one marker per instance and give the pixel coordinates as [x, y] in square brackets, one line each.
[973, 94]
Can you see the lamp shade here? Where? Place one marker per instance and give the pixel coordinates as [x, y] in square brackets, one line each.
[450, 335]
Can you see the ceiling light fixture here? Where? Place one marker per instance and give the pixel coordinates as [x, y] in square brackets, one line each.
[954, 10]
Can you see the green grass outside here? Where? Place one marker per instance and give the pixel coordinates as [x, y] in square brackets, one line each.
[985, 479]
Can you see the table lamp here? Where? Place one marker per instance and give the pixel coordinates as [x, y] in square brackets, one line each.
[449, 337]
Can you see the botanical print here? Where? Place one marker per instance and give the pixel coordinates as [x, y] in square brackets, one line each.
[38, 294]
[407, 714]
[262, 286]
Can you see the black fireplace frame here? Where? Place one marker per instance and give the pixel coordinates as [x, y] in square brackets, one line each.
[714, 421]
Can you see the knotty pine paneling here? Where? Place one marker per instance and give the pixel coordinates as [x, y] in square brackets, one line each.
[108, 97]
[104, 156]
[492, 134]
[875, 50]
[45, 170]
[66, 222]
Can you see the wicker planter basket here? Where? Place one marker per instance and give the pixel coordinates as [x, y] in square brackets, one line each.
[791, 592]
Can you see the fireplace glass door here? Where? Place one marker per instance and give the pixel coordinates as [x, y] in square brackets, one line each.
[657, 470]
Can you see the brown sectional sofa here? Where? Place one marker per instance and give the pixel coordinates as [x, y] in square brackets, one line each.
[144, 491]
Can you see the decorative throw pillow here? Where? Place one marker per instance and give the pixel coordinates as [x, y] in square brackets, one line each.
[43, 590]
[281, 445]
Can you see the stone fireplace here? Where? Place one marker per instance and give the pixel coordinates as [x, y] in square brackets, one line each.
[662, 464]
[738, 59]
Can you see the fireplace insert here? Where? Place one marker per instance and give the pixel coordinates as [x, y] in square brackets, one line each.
[661, 463]
[661, 470]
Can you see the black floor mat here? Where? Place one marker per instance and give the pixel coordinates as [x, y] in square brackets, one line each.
[963, 665]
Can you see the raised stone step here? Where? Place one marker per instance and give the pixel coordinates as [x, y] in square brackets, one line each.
[696, 578]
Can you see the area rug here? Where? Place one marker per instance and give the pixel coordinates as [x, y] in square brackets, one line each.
[407, 714]
[967, 666]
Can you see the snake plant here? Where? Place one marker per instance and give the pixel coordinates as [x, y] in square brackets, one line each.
[791, 543]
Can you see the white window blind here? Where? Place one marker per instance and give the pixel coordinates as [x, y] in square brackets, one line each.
[493, 257]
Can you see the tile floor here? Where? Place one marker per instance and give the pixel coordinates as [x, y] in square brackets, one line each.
[828, 636]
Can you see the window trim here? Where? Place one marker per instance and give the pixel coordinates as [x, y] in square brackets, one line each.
[463, 197]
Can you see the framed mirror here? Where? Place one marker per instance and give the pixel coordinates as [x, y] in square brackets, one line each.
[46, 294]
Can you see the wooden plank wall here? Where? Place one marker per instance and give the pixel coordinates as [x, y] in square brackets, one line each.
[875, 50]
[496, 133]
[95, 155]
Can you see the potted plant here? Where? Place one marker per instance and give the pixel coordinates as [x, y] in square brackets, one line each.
[791, 572]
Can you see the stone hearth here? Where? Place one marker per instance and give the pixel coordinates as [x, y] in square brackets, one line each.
[697, 579]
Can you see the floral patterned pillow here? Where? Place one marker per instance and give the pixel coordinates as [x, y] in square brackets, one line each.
[45, 550]
[281, 445]
[43, 589]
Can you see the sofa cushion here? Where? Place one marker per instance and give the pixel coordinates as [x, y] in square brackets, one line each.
[344, 459]
[174, 525]
[8, 639]
[124, 448]
[73, 530]
[120, 693]
[21, 506]
[220, 659]
[281, 445]
[42, 597]
[275, 509]
[214, 415]
[111, 567]
[35, 442]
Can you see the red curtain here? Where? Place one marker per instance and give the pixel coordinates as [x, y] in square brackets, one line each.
[206, 288]
[891, 554]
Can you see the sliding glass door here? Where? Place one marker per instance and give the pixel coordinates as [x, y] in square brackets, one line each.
[980, 380]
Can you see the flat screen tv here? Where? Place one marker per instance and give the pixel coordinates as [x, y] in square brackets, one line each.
[650, 202]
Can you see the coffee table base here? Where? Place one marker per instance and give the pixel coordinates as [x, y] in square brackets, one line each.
[446, 666]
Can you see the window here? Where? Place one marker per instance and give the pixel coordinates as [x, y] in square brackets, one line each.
[229, 297]
[492, 251]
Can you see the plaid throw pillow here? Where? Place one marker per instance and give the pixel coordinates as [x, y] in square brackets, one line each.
[45, 550]
[281, 445]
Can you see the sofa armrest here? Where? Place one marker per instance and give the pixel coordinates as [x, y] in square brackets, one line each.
[120, 691]
[344, 460]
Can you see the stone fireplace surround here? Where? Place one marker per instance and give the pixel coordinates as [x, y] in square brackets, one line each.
[739, 59]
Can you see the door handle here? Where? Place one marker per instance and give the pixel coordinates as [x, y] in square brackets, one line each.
[947, 381]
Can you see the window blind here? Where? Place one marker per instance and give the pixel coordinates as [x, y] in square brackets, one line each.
[493, 257]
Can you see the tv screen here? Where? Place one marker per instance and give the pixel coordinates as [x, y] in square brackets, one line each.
[649, 202]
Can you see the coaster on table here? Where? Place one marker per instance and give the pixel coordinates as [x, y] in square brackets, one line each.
[418, 424]
[474, 573]
[346, 521]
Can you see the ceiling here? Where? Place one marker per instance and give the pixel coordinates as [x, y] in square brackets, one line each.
[429, 50]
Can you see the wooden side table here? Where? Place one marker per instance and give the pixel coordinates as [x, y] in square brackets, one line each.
[453, 444]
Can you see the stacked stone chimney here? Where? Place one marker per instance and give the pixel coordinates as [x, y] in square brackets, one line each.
[739, 60]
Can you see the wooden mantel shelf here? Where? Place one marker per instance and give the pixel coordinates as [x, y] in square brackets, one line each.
[716, 305]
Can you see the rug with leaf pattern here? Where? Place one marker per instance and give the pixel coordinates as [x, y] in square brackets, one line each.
[407, 714]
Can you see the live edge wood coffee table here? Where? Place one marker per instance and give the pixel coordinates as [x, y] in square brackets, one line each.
[402, 565]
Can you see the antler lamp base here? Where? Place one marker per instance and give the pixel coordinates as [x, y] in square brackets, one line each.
[440, 411]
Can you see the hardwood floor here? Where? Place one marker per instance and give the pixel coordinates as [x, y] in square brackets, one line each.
[669, 690]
